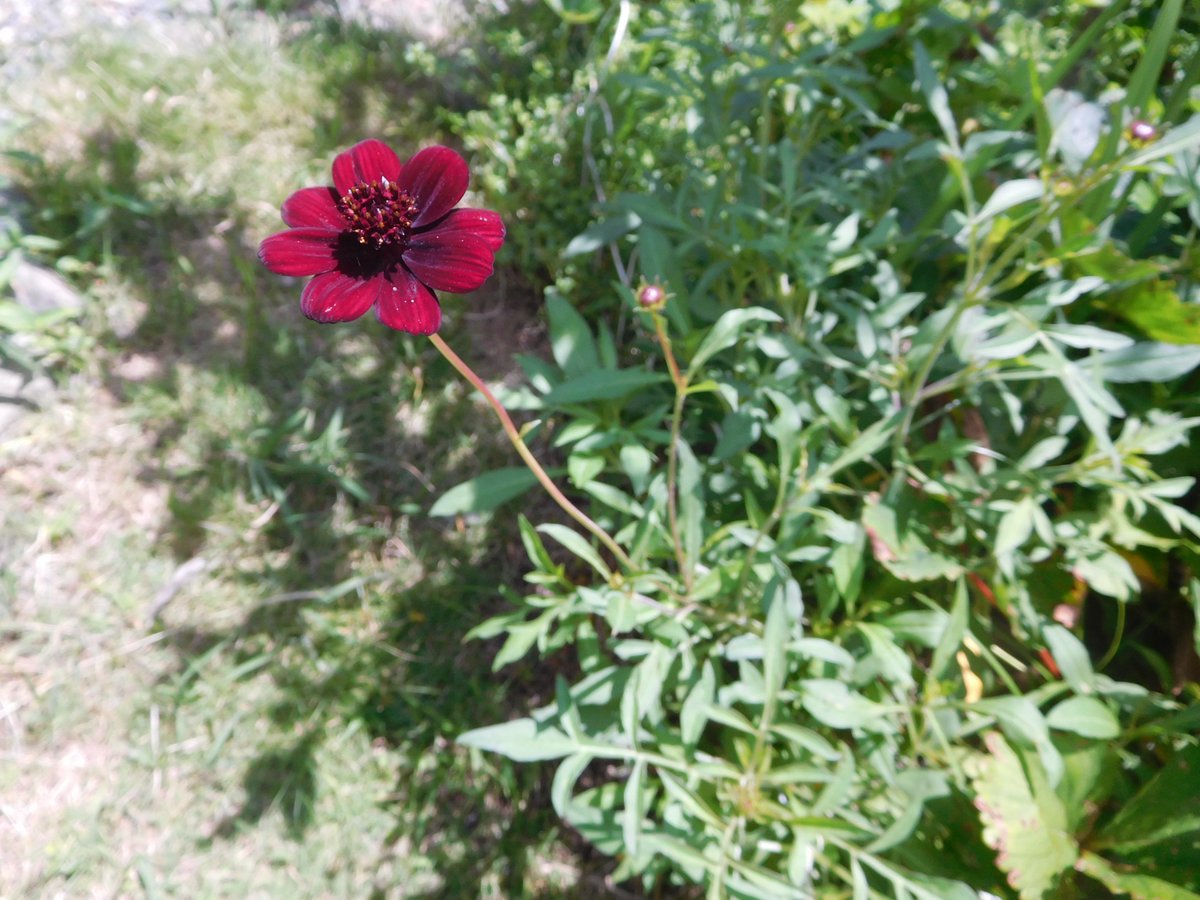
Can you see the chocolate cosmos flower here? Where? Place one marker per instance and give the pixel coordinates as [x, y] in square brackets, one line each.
[385, 235]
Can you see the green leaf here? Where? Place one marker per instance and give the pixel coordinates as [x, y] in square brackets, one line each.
[1106, 572]
[1071, 656]
[523, 740]
[833, 703]
[1016, 525]
[1155, 54]
[775, 634]
[726, 331]
[1156, 813]
[952, 637]
[1022, 720]
[485, 492]
[565, 779]
[694, 713]
[577, 544]
[1146, 361]
[1157, 310]
[602, 233]
[1010, 194]
[571, 339]
[631, 820]
[637, 462]
[1023, 822]
[1136, 884]
[935, 95]
[691, 502]
[601, 384]
[1085, 716]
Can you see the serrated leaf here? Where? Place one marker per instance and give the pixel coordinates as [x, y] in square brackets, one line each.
[1024, 824]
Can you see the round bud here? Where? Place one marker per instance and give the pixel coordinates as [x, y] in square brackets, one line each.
[1142, 131]
[651, 296]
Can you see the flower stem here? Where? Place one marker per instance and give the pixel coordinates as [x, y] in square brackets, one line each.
[681, 385]
[527, 457]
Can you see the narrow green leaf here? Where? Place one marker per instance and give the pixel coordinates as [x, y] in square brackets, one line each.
[631, 819]
[1155, 54]
[565, 779]
[694, 713]
[602, 233]
[935, 95]
[726, 331]
[1145, 361]
[1071, 656]
[485, 492]
[577, 544]
[523, 740]
[601, 384]
[952, 637]
[571, 339]
[691, 502]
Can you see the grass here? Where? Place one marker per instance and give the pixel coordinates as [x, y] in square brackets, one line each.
[230, 638]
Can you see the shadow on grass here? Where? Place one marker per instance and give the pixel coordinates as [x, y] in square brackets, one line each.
[343, 436]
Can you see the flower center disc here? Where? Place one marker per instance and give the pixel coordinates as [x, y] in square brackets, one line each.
[379, 213]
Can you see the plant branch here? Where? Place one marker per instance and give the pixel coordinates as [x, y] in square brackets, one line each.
[527, 457]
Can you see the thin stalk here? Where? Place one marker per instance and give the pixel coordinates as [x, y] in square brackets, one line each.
[680, 382]
[528, 458]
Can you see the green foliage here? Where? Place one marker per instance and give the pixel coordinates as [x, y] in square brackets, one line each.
[902, 465]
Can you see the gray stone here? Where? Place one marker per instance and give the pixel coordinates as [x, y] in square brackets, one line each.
[21, 395]
[42, 290]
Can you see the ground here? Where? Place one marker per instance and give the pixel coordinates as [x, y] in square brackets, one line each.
[221, 674]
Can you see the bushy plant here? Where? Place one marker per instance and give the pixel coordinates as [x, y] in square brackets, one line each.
[889, 426]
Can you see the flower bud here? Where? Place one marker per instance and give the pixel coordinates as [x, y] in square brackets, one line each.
[651, 296]
[1141, 132]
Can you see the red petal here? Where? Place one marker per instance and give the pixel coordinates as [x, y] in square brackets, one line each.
[482, 223]
[366, 161]
[449, 261]
[437, 179]
[407, 305]
[313, 207]
[334, 297]
[301, 251]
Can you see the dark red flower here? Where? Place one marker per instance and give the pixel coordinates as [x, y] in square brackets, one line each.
[385, 235]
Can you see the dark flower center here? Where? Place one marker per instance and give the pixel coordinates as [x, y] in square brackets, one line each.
[379, 213]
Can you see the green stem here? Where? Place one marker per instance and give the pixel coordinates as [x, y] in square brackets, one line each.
[527, 457]
[680, 382]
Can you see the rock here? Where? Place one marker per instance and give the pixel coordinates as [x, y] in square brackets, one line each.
[19, 396]
[42, 290]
